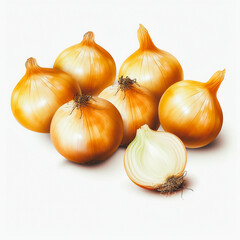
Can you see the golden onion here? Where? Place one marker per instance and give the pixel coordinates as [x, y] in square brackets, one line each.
[153, 68]
[89, 64]
[86, 129]
[39, 94]
[136, 104]
[191, 110]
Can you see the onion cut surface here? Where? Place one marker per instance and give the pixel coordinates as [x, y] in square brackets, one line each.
[153, 158]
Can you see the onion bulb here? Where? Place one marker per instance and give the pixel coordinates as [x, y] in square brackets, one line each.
[190, 110]
[153, 68]
[136, 104]
[86, 129]
[89, 64]
[156, 160]
[39, 94]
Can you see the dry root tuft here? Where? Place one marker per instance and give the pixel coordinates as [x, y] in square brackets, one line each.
[81, 101]
[173, 184]
[125, 83]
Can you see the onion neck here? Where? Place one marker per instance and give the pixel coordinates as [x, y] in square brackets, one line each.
[31, 65]
[145, 129]
[144, 39]
[88, 38]
[143, 132]
[215, 81]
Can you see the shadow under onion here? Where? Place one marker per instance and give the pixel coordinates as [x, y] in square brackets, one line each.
[217, 143]
[96, 164]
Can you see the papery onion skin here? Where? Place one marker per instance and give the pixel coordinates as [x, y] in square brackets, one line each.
[39, 94]
[137, 106]
[135, 150]
[89, 133]
[89, 64]
[153, 68]
[191, 110]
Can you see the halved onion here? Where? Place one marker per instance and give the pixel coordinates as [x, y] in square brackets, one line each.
[156, 160]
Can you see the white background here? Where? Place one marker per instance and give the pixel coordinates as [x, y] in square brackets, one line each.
[44, 196]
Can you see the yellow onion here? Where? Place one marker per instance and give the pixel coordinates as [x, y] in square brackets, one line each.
[153, 68]
[191, 110]
[156, 160]
[136, 104]
[39, 94]
[89, 64]
[86, 129]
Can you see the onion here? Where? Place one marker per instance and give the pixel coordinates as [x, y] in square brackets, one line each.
[39, 94]
[190, 110]
[86, 129]
[156, 160]
[153, 68]
[89, 64]
[136, 104]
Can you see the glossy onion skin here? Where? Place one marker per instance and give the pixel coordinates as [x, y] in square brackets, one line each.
[39, 94]
[88, 134]
[190, 110]
[137, 106]
[89, 64]
[153, 68]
